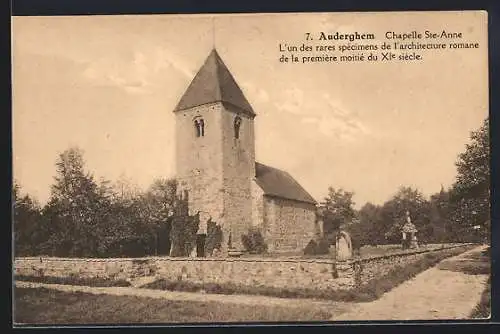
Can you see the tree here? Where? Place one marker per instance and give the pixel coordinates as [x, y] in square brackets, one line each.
[337, 209]
[370, 229]
[393, 214]
[89, 218]
[76, 207]
[156, 213]
[470, 194]
[158, 201]
[26, 219]
[138, 223]
[125, 190]
[440, 217]
[183, 234]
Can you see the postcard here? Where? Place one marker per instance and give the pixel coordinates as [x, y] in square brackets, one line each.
[214, 168]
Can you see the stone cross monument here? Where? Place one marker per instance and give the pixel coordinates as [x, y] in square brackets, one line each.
[409, 237]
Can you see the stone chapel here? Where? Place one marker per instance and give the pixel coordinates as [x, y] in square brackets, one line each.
[215, 153]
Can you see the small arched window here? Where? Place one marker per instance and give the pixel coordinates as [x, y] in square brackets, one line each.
[199, 125]
[237, 125]
[202, 127]
[197, 128]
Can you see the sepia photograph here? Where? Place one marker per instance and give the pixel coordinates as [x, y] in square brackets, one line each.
[243, 168]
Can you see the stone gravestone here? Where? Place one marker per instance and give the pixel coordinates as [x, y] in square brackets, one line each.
[343, 246]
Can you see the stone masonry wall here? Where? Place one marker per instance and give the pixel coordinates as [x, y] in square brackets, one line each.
[199, 160]
[282, 273]
[260, 272]
[292, 224]
[378, 266]
[258, 207]
[238, 160]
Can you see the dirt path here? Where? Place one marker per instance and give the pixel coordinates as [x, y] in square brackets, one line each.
[433, 294]
[333, 307]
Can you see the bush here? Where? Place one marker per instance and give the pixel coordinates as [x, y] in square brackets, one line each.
[310, 249]
[254, 242]
[214, 238]
[183, 234]
[317, 248]
[323, 247]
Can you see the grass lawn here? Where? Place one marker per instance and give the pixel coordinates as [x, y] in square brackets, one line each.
[483, 309]
[44, 306]
[369, 251]
[475, 263]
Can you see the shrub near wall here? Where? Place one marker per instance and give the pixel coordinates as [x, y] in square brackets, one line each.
[320, 247]
[213, 240]
[254, 242]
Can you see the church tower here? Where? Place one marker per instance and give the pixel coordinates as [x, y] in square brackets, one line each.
[215, 150]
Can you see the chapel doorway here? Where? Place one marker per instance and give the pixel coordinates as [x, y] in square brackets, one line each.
[200, 245]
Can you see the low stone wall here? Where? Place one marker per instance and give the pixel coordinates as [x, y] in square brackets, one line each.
[281, 273]
[378, 266]
[254, 272]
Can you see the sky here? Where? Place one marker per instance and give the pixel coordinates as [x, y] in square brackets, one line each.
[109, 84]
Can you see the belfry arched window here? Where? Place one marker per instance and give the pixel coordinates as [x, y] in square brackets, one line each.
[199, 126]
[237, 125]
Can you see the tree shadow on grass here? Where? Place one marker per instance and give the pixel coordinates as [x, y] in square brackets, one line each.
[475, 263]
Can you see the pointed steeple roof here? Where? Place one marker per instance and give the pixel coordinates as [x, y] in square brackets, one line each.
[214, 83]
